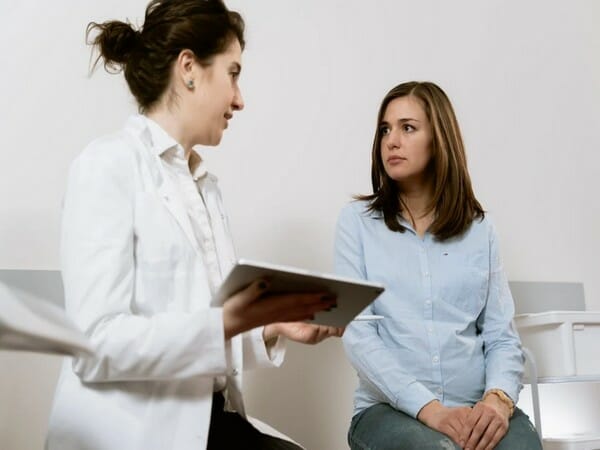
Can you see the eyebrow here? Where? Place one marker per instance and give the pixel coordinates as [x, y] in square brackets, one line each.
[402, 120]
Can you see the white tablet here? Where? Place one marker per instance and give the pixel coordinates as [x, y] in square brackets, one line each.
[352, 295]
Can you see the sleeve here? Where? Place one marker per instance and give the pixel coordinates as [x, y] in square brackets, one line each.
[259, 354]
[384, 375]
[98, 268]
[502, 347]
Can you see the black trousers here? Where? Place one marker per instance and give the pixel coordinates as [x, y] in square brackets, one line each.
[230, 431]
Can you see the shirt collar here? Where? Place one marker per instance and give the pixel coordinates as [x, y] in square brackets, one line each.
[166, 147]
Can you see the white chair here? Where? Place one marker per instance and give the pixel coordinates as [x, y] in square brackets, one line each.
[532, 297]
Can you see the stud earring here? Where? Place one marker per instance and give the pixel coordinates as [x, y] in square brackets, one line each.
[190, 84]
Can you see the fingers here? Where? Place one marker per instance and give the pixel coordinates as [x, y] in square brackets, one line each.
[497, 437]
[489, 426]
[325, 332]
[452, 432]
[469, 424]
[455, 423]
[478, 429]
[294, 307]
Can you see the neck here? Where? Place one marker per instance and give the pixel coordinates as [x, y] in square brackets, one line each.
[173, 125]
[417, 197]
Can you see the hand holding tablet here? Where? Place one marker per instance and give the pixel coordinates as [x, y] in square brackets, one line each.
[352, 295]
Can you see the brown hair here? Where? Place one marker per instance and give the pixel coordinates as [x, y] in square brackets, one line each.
[206, 27]
[453, 199]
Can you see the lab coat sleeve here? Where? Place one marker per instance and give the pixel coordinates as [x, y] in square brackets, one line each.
[98, 267]
[258, 354]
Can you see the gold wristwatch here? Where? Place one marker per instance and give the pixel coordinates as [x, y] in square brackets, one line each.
[503, 398]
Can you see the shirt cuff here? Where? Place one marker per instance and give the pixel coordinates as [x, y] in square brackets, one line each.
[258, 353]
[412, 404]
[508, 388]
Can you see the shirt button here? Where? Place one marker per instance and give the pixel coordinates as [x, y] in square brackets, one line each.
[426, 274]
[439, 391]
[428, 302]
[429, 330]
[436, 359]
[235, 372]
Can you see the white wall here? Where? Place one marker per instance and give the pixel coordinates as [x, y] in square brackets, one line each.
[524, 78]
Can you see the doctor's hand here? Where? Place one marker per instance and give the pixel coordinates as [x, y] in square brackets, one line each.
[254, 306]
[305, 333]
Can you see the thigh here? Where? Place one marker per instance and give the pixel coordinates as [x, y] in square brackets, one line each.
[229, 430]
[521, 434]
[267, 442]
[382, 427]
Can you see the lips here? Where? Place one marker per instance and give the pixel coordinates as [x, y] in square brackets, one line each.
[395, 159]
[227, 117]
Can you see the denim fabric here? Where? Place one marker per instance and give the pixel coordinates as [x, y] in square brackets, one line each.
[382, 427]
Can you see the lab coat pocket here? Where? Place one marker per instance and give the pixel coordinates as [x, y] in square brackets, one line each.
[160, 251]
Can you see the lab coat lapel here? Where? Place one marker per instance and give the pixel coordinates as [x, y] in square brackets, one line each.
[162, 182]
[175, 206]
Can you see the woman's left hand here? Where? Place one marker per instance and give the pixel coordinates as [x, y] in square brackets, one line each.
[305, 333]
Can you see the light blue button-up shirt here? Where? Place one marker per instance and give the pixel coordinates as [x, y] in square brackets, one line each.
[447, 331]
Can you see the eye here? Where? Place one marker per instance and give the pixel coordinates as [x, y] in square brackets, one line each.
[235, 75]
[384, 130]
[408, 128]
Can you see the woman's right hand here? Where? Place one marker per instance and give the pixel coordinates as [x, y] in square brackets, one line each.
[449, 421]
[253, 307]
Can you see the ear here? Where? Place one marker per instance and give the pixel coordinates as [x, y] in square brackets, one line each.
[186, 69]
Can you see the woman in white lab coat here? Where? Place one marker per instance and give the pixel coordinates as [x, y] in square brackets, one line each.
[145, 243]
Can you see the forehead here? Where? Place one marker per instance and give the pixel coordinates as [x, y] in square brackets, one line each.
[407, 107]
[232, 54]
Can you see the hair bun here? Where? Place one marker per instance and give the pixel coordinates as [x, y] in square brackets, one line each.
[116, 40]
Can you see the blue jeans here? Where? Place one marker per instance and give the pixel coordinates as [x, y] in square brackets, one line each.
[382, 427]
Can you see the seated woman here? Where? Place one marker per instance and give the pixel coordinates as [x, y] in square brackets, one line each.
[442, 369]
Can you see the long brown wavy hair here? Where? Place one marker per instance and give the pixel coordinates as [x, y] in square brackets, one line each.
[453, 200]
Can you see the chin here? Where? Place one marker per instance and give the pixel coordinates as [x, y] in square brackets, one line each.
[214, 140]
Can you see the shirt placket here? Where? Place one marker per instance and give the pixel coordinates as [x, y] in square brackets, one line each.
[428, 311]
[200, 218]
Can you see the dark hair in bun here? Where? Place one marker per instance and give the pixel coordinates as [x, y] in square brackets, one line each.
[206, 27]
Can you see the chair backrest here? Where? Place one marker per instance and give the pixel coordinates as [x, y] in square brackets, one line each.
[540, 296]
[40, 284]
[27, 375]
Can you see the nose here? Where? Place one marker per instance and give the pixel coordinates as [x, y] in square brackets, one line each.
[393, 140]
[237, 103]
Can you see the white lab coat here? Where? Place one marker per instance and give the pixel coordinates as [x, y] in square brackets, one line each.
[136, 285]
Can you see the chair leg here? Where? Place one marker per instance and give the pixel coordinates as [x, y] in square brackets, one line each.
[535, 397]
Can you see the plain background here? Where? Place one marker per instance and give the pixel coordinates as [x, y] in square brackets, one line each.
[524, 78]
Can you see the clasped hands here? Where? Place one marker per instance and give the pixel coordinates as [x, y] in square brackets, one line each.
[478, 428]
[281, 314]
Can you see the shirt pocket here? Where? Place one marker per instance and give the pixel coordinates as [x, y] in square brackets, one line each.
[463, 281]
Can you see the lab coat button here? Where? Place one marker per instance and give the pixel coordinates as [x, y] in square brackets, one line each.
[235, 372]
